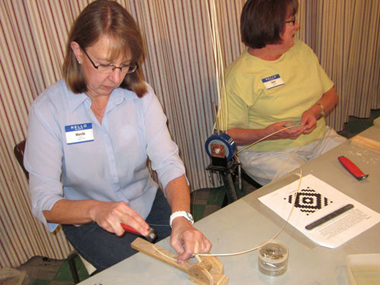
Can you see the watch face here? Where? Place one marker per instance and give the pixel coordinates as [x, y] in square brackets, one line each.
[189, 216]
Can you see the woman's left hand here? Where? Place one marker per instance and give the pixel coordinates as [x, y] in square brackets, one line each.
[187, 241]
[309, 118]
[309, 122]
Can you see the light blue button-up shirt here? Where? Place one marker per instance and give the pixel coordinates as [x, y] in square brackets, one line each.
[111, 166]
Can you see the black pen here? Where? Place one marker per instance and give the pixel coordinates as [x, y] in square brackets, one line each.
[329, 217]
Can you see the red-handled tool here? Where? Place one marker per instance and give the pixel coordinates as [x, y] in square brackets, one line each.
[150, 237]
[352, 168]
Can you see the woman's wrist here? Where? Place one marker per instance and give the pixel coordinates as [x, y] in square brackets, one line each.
[323, 113]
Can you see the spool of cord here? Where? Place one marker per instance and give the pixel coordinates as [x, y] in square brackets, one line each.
[220, 145]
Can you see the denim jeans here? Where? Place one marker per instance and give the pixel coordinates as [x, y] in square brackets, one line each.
[104, 249]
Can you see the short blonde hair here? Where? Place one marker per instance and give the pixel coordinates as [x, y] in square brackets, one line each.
[104, 17]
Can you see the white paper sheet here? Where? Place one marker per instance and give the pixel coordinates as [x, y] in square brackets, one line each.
[315, 200]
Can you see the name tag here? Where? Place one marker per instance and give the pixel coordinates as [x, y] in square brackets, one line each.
[79, 133]
[273, 81]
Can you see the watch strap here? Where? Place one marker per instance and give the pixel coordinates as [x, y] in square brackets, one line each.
[323, 113]
[183, 214]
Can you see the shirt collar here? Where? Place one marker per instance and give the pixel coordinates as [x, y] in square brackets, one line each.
[75, 100]
[117, 97]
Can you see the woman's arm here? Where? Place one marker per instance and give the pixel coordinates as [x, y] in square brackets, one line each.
[320, 109]
[274, 131]
[108, 215]
[325, 105]
[185, 239]
[309, 119]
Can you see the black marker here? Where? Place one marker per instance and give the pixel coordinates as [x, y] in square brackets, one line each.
[329, 217]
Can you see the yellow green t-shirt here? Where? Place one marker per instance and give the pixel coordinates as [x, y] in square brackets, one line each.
[252, 102]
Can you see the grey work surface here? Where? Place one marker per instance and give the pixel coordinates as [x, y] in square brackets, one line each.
[247, 223]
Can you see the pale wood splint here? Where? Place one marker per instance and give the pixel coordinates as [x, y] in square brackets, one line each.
[366, 143]
[209, 271]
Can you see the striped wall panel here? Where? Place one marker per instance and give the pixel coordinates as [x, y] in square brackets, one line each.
[180, 66]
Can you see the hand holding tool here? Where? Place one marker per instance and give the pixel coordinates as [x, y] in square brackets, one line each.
[150, 237]
[352, 168]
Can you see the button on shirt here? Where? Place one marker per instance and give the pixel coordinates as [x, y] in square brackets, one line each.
[111, 166]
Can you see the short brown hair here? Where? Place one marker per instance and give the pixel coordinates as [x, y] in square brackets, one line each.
[263, 21]
[104, 17]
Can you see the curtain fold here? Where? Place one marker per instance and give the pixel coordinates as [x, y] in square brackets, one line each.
[180, 66]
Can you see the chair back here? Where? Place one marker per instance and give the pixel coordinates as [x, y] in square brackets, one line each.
[19, 153]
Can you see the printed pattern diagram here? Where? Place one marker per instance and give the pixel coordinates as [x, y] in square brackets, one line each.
[308, 201]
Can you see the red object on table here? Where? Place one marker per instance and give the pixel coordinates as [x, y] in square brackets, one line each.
[150, 237]
[352, 168]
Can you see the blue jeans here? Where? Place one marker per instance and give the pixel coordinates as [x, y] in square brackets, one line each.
[104, 249]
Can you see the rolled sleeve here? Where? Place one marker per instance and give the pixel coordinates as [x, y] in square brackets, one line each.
[44, 167]
[161, 149]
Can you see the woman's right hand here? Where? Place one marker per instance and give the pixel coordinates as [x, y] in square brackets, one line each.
[279, 131]
[276, 131]
[110, 216]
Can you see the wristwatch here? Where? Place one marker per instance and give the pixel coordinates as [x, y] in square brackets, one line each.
[184, 214]
[322, 109]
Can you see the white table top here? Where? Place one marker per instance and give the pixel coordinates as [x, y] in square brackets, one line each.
[247, 223]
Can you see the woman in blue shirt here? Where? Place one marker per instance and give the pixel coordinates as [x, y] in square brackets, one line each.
[89, 139]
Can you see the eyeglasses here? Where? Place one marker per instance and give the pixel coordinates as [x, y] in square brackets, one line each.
[293, 21]
[109, 68]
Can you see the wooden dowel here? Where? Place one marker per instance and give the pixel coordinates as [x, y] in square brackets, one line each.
[366, 143]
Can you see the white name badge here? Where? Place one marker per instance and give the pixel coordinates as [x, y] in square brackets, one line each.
[79, 133]
[273, 81]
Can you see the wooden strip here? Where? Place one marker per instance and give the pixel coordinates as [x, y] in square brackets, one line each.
[366, 143]
[161, 254]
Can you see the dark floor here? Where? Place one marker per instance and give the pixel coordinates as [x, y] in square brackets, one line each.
[44, 271]
[207, 201]
[356, 125]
